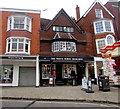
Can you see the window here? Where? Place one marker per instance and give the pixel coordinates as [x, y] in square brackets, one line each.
[19, 22]
[101, 43]
[47, 71]
[103, 26]
[63, 46]
[98, 13]
[99, 27]
[6, 74]
[67, 70]
[110, 39]
[18, 45]
[63, 29]
[107, 26]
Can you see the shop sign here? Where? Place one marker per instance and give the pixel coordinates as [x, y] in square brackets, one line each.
[16, 57]
[61, 59]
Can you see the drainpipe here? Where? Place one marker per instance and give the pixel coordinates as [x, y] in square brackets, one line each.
[37, 71]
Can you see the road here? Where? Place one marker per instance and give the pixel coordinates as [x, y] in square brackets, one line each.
[25, 104]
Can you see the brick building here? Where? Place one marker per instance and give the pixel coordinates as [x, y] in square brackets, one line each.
[20, 47]
[62, 47]
[98, 24]
[114, 7]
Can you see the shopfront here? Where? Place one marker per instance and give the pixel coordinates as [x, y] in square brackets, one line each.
[62, 68]
[18, 70]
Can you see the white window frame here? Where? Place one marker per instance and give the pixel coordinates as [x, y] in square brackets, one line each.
[109, 35]
[59, 49]
[100, 13]
[106, 42]
[104, 28]
[10, 26]
[98, 52]
[17, 52]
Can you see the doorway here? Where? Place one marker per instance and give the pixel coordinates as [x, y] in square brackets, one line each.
[58, 72]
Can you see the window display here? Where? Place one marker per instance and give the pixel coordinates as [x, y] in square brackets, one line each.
[67, 68]
[6, 74]
[46, 70]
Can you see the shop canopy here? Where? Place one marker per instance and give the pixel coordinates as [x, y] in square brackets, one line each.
[111, 51]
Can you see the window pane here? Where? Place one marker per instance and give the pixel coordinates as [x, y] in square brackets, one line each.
[109, 40]
[107, 26]
[73, 46]
[14, 40]
[8, 47]
[26, 47]
[68, 46]
[62, 46]
[19, 22]
[98, 13]
[21, 40]
[20, 47]
[28, 24]
[99, 27]
[14, 46]
[101, 44]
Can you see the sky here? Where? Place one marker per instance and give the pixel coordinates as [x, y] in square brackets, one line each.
[51, 7]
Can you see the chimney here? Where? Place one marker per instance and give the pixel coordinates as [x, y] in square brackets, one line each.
[77, 12]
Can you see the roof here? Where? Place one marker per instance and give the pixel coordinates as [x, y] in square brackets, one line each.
[21, 10]
[94, 3]
[44, 22]
[72, 22]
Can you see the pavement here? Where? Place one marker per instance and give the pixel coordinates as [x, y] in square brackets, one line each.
[62, 93]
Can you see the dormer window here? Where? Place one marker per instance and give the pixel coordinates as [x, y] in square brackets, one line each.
[19, 22]
[98, 13]
[63, 29]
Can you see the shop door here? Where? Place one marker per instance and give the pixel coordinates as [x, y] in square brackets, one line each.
[59, 72]
[27, 76]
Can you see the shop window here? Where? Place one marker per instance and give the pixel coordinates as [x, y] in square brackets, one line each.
[67, 68]
[47, 70]
[63, 46]
[19, 22]
[18, 45]
[6, 74]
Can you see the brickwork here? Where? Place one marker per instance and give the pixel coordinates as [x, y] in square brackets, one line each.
[34, 35]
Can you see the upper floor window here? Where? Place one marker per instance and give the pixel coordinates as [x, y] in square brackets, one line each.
[103, 26]
[63, 46]
[102, 43]
[18, 45]
[19, 22]
[98, 13]
[63, 29]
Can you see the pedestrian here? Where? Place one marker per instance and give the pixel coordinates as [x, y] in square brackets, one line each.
[73, 75]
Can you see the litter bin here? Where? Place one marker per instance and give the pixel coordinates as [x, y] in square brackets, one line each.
[103, 82]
